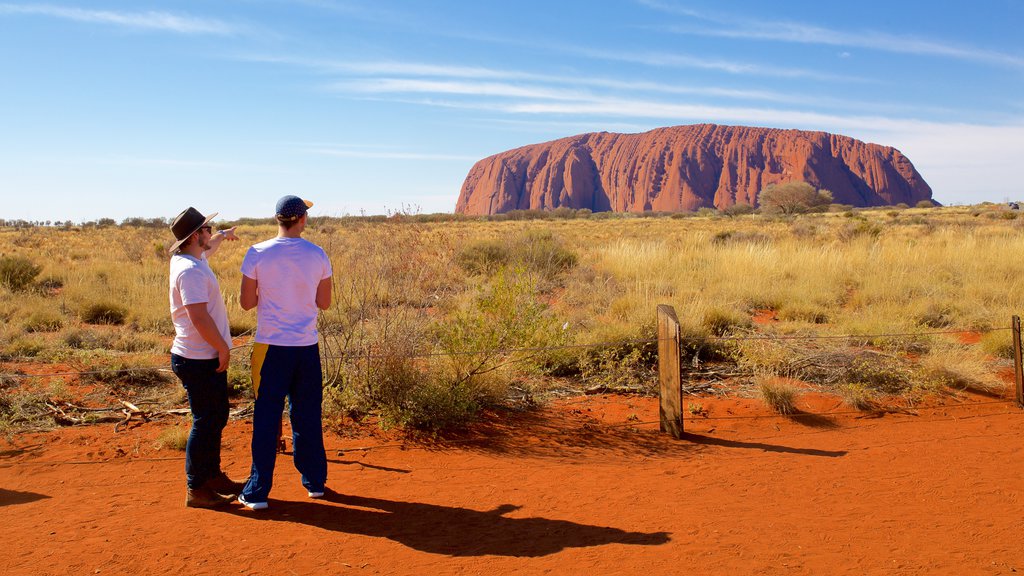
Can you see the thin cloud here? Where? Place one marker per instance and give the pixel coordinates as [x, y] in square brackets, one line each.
[448, 72]
[150, 20]
[799, 32]
[388, 155]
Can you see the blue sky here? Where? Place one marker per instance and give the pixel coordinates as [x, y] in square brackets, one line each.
[118, 109]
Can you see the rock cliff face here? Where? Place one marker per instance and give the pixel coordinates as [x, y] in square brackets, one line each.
[686, 168]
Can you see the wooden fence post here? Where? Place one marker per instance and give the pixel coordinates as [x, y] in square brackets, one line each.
[1018, 369]
[669, 375]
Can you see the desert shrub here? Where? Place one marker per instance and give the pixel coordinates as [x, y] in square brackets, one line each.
[17, 273]
[240, 379]
[778, 394]
[738, 209]
[138, 342]
[803, 312]
[173, 438]
[49, 284]
[854, 230]
[22, 347]
[538, 251]
[880, 373]
[23, 408]
[104, 313]
[857, 396]
[628, 366]
[958, 368]
[720, 321]
[44, 320]
[739, 237]
[924, 204]
[998, 343]
[120, 376]
[83, 339]
[937, 316]
[484, 256]
[803, 229]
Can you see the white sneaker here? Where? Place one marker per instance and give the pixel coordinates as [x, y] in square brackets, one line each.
[319, 494]
[252, 505]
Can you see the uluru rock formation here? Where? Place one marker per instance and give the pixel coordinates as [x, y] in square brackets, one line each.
[686, 168]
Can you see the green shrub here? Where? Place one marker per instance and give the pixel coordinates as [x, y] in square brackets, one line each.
[538, 251]
[484, 257]
[104, 313]
[17, 273]
[44, 321]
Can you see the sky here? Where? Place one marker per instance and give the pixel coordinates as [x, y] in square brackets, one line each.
[117, 109]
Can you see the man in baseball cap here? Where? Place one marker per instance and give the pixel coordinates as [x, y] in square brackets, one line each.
[288, 280]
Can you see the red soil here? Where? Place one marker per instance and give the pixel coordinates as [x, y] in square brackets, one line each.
[586, 485]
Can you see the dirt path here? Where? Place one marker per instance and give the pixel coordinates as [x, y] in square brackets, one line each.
[576, 488]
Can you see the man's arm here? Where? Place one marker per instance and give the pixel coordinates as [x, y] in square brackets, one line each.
[249, 296]
[200, 317]
[323, 294]
[219, 237]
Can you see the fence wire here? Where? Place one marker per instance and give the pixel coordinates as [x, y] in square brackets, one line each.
[362, 355]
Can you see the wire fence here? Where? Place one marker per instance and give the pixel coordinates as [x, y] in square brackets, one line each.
[365, 354]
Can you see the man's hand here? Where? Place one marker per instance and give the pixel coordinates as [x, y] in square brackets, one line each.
[224, 356]
[229, 234]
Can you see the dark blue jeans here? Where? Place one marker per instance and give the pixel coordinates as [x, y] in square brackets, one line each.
[293, 372]
[208, 399]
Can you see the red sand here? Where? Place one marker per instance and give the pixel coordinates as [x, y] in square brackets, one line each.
[586, 485]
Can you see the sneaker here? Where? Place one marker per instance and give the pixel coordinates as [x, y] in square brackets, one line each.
[221, 484]
[316, 493]
[252, 505]
[204, 497]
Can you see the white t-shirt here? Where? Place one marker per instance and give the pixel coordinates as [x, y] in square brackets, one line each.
[192, 282]
[287, 272]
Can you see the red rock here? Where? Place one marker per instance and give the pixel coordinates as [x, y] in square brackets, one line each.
[686, 168]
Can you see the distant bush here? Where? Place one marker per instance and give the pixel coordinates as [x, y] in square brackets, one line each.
[924, 204]
[738, 209]
[794, 198]
[17, 273]
[104, 313]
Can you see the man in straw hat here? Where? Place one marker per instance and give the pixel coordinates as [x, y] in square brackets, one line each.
[288, 280]
[200, 355]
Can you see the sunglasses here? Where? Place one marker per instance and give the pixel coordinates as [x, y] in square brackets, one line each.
[207, 229]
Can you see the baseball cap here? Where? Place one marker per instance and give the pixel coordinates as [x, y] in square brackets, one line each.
[292, 207]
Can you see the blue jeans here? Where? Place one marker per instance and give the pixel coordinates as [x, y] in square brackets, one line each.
[208, 399]
[295, 372]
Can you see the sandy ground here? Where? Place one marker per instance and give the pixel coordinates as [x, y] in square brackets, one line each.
[584, 486]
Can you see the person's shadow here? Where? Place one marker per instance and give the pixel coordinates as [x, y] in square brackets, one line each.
[450, 530]
[12, 497]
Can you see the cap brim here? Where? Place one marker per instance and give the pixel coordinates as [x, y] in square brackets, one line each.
[189, 235]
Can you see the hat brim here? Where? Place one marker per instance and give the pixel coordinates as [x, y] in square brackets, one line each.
[178, 244]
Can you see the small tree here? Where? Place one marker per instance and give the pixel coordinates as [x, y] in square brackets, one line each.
[738, 209]
[793, 198]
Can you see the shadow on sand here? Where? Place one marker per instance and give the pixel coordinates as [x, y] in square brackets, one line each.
[12, 497]
[712, 441]
[449, 530]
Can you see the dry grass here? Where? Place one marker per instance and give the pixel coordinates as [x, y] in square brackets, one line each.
[597, 279]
